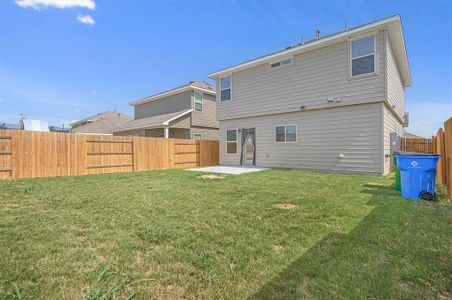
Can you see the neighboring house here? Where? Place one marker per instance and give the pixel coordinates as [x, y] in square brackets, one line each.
[34, 125]
[187, 112]
[329, 104]
[412, 136]
[60, 129]
[102, 123]
[9, 126]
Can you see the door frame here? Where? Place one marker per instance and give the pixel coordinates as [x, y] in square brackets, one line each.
[243, 144]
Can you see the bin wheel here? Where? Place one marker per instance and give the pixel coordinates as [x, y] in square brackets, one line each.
[429, 196]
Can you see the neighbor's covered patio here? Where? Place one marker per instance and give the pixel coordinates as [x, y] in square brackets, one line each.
[169, 125]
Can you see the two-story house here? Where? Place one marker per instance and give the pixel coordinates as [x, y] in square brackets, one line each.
[187, 112]
[102, 123]
[329, 104]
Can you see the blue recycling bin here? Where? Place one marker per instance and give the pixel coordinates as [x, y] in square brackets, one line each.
[417, 174]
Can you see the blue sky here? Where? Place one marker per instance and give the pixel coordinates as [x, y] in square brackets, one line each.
[75, 58]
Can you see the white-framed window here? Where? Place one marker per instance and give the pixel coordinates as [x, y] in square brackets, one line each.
[197, 136]
[286, 133]
[362, 56]
[198, 101]
[225, 88]
[231, 141]
[281, 63]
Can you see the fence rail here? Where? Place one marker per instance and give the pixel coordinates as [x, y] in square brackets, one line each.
[416, 145]
[28, 154]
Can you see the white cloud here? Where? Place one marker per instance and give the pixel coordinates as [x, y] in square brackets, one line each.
[61, 4]
[86, 19]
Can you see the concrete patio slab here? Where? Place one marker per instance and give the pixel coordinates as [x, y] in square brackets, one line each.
[234, 170]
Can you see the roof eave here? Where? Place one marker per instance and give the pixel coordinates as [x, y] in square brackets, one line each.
[322, 43]
[152, 126]
[171, 93]
[156, 125]
[395, 33]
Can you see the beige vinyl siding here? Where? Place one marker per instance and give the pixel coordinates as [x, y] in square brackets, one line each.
[308, 81]
[208, 116]
[156, 132]
[207, 133]
[178, 133]
[140, 132]
[174, 103]
[175, 133]
[391, 124]
[395, 88]
[322, 134]
[182, 122]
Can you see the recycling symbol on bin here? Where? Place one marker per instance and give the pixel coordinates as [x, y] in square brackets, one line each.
[414, 164]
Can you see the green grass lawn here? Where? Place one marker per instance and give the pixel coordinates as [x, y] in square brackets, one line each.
[275, 234]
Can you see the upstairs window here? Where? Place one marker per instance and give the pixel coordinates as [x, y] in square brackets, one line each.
[285, 133]
[225, 86]
[363, 56]
[283, 62]
[231, 141]
[198, 101]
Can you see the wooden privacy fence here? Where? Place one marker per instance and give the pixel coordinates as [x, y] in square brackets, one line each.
[28, 154]
[442, 144]
[416, 145]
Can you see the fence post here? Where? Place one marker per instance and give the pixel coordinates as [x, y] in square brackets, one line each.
[134, 160]
[171, 155]
[448, 155]
[198, 153]
[440, 150]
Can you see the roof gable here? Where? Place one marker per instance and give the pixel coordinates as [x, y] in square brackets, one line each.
[101, 116]
[393, 25]
[194, 85]
[154, 121]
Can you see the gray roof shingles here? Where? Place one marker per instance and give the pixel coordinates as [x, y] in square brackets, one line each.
[150, 121]
[102, 123]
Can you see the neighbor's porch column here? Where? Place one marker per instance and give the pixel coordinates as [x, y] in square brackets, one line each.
[166, 132]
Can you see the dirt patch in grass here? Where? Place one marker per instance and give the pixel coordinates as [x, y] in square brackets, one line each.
[286, 206]
[12, 205]
[277, 248]
[211, 176]
[374, 184]
[303, 289]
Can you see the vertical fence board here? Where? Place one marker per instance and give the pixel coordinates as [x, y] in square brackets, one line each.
[441, 167]
[6, 148]
[448, 156]
[209, 153]
[151, 153]
[27, 154]
[186, 153]
[416, 145]
[433, 144]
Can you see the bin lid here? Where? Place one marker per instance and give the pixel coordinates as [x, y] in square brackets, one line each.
[397, 153]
